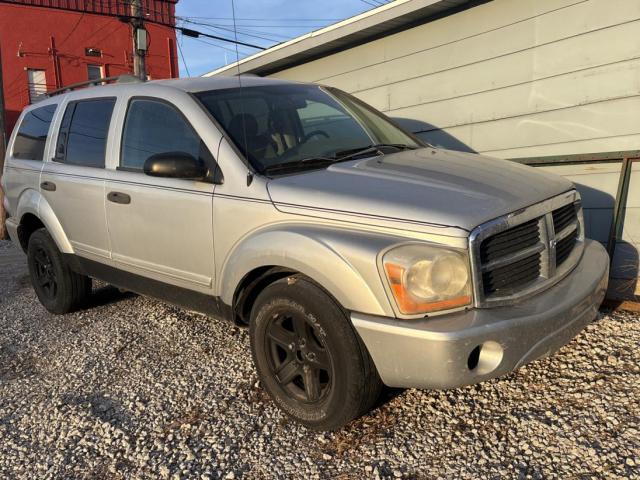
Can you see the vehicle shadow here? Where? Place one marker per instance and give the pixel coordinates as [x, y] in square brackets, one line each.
[103, 295]
[387, 395]
[433, 135]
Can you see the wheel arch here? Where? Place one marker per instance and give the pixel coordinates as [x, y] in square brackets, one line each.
[35, 212]
[313, 252]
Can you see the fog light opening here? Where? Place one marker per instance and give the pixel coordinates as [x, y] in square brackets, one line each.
[474, 357]
[485, 358]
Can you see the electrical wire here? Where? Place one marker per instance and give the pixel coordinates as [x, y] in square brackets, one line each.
[234, 30]
[244, 124]
[216, 45]
[73, 29]
[184, 62]
[265, 19]
[260, 34]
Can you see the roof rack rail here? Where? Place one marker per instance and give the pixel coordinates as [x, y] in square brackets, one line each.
[116, 79]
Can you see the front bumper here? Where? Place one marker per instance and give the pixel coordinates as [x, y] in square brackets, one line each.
[469, 347]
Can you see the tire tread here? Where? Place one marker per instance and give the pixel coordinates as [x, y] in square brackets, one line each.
[365, 387]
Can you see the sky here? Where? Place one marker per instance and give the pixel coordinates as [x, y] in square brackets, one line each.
[259, 22]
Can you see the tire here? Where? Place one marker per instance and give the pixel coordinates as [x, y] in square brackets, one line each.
[309, 357]
[59, 289]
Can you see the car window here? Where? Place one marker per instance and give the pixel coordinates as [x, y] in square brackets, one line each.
[281, 124]
[32, 133]
[153, 127]
[319, 116]
[83, 132]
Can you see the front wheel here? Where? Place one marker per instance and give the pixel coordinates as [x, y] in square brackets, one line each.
[308, 356]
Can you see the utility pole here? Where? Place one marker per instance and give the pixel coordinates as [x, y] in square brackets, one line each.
[139, 40]
[3, 148]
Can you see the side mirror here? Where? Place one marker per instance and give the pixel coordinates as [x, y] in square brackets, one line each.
[175, 165]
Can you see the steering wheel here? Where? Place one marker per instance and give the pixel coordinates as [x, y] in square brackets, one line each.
[309, 135]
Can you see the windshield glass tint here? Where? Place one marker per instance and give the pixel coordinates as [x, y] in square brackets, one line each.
[277, 124]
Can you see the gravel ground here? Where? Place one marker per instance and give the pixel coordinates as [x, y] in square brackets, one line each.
[134, 388]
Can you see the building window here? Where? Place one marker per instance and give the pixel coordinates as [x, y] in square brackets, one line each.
[94, 72]
[37, 85]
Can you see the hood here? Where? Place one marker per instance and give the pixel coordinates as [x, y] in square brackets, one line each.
[430, 186]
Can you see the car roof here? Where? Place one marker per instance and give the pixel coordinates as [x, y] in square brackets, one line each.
[190, 85]
[199, 84]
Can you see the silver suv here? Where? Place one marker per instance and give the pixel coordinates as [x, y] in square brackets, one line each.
[357, 255]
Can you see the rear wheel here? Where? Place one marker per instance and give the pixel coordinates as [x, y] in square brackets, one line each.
[308, 356]
[59, 289]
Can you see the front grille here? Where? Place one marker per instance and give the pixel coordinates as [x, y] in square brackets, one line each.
[514, 258]
[565, 246]
[563, 217]
[498, 278]
[512, 277]
[510, 241]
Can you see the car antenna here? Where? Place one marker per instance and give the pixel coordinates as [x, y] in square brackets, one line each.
[244, 126]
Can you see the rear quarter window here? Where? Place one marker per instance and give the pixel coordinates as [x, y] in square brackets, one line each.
[32, 133]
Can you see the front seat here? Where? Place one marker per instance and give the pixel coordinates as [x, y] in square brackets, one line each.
[243, 128]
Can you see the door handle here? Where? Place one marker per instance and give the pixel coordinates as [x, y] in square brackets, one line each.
[119, 197]
[49, 186]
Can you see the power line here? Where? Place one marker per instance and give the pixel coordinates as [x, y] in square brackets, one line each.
[263, 34]
[186, 67]
[195, 34]
[73, 29]
[228, 29]
[266, 19]
[318, 25]
[219, 46]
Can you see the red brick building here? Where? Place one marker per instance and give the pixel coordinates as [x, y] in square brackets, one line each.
[47, 44]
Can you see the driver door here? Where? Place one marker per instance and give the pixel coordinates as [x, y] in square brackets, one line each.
[160, 228]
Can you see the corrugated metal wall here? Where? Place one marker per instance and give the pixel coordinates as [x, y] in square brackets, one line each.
[513, 79]
[509, 78]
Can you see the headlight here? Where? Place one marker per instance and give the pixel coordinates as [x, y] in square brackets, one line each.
[424, 278]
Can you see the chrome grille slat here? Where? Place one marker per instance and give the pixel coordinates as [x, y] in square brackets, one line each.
[569, 229]
[513, 257]
[521, 253]
[563, 216]
[513, 276]
[564, 247]
[506, 243]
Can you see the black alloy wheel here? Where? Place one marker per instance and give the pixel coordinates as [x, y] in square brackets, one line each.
[300, 361]
[44, 273]
[59, 289]
[309, 357]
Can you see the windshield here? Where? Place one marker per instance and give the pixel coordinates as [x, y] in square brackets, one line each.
[276, 125]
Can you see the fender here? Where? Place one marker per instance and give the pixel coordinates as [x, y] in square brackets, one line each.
[32, 201]
[341, 261]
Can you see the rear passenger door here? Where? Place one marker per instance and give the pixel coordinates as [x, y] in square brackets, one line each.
[161, 228]
[73, 181]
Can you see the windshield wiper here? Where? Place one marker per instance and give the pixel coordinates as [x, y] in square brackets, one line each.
[354, 152]
[311, 162]
[340, 156]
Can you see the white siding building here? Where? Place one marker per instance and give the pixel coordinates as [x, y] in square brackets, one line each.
[551, 83]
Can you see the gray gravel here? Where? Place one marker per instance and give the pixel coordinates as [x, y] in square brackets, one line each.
[134, 388]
